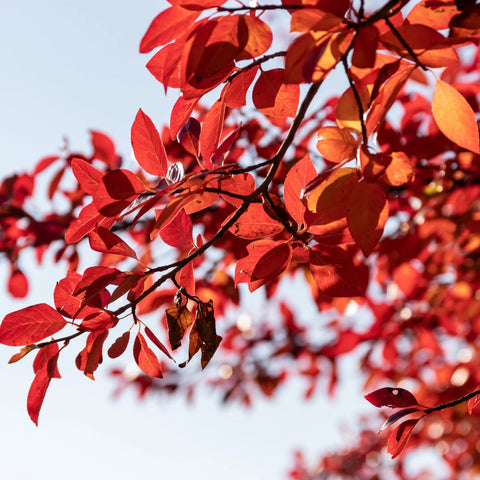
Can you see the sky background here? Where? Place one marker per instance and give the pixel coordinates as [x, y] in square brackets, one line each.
[68, 67]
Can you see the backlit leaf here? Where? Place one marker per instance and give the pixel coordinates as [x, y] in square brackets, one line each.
[148, 146]
[400, 436]
[145, 358]
[119, 345]
[255, 223]
[455, 117]
[367, 214]
[103, 240]
[273, 97]
[30, 325]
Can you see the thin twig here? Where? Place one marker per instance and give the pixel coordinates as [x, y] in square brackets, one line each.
[358, 100]
[453, 403]
[408, 48]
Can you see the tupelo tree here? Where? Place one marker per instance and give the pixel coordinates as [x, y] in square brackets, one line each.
[369, 197]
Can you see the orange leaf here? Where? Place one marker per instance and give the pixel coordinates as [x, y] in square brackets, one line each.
[272, 97]
[298, 177]
[367, 214]
[455, 117]
[336, 144]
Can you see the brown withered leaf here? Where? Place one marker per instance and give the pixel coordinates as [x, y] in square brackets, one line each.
[178, 320]
[208, 351]
[203, 335]
[205, 322]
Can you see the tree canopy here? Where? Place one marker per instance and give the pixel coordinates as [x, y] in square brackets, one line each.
[366, 195]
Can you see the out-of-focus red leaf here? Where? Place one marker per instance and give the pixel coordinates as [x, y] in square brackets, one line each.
[30, 325]
[104, 148]
[145, 358]
[391, 397]
[44, 163]
[335, 272]
[400, 436]
[18, 284]
[148, 146]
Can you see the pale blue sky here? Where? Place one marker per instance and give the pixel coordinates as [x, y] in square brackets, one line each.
[69, 66]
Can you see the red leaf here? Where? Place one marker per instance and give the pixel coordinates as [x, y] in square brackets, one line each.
[103, 240]
[455, 117]
[258, 267]
[298, 177]
[238, 184]
[87, 176]
[272, 97]
[30, 325]
[87, 220]
[39, 387]
[18, 284]
[236, 90]
[104, 148]
[400, 436]
[148, 146]
[367, 214]
[212, 131]
[119, 345]
[90, 357]
[391, 397]
[67, 303]
[178, 233]
[181, 112]
[157, 342]
[255, 223]
[116, 191]
[99, 321]
[166, 26]
[44, 355]
[336, 274]
[145, 358]
[44, 163]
